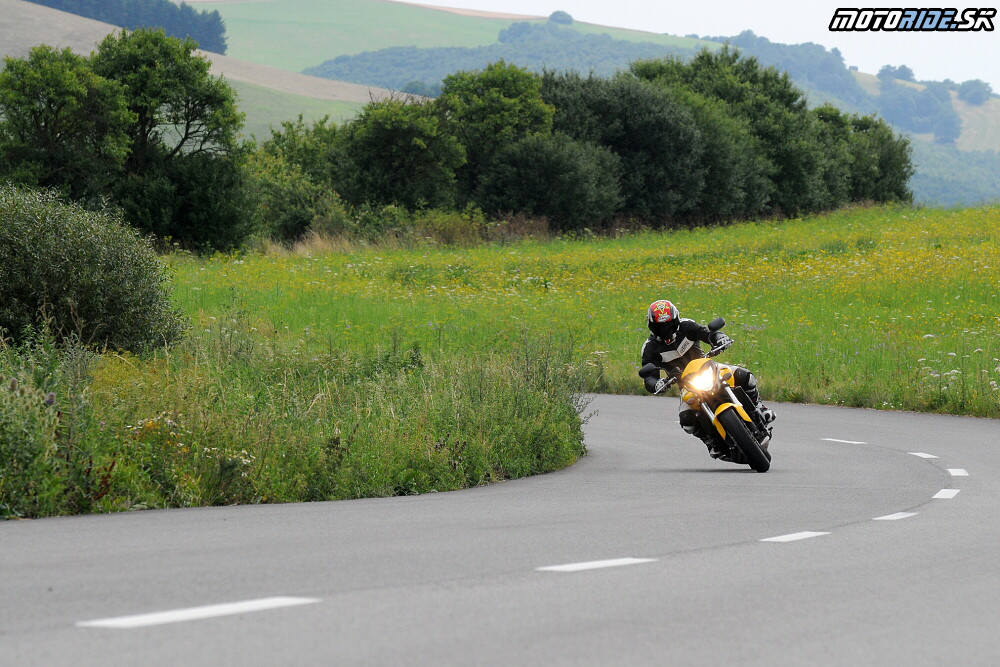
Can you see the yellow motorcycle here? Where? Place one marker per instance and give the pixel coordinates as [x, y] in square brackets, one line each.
[710, 388]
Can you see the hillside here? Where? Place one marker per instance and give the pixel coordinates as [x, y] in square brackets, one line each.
[268, 94]
[324, 29]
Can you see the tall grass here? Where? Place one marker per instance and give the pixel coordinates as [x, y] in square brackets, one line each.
[235, 415]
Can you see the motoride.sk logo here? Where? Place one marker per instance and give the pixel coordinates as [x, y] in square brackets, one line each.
[903, 19]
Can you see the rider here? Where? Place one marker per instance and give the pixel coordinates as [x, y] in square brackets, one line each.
[672, 344]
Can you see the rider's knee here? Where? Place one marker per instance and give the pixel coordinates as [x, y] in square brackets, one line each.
[744, 378]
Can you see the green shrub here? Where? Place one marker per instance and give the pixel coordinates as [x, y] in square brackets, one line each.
[79, 272]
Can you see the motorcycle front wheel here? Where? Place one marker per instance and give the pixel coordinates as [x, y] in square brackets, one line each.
[737, 430]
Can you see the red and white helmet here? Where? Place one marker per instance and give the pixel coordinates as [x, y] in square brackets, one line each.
[663, 319]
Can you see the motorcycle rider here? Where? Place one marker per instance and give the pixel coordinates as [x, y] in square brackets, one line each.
[675, 341]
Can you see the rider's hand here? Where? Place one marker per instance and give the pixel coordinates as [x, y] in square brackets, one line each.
[720, 339]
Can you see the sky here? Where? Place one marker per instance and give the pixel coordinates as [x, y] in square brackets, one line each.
[931, 55]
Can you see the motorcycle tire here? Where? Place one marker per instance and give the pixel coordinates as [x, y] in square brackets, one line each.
[738, 431]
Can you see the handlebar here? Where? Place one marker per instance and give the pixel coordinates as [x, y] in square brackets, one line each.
[715, 351]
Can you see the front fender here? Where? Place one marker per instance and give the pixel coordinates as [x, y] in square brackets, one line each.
[724, 406]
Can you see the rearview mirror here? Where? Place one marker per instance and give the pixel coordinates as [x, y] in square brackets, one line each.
[716, 324]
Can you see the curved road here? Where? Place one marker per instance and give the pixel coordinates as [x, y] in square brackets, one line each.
[645, 552]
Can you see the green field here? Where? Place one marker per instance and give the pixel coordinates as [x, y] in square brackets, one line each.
[266, 108]
[893, 308]
[295, 34]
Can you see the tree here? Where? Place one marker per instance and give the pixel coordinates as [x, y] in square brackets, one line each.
[80, 272]
[654, 137]
[180, 106]
[928, 110]
[770, 103]
[316, 149]
[398, 153]
[834, 135]
[975, 91]
[888, 72]
[61, 125]
[737, 173]
[490, 109]
[881, 162]
[572, 183]
[184, 140]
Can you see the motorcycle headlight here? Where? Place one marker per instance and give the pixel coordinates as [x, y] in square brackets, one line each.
[704, 380]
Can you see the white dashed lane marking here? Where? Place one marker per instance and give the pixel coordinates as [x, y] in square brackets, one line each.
[594, 564]
[923, 455]
[793, 537]
[895, 517]
[958, 472]
[946, 494]
[195, 613]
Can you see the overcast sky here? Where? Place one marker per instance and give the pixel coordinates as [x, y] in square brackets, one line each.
[935, 56]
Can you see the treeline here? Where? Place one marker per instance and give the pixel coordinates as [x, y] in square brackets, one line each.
[535, 47]
[553, 46]
[181, 21]
[668, 143]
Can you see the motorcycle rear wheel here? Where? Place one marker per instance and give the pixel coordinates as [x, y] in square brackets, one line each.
[737, 430]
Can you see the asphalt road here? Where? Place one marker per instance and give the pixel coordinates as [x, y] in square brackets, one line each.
[664, 555]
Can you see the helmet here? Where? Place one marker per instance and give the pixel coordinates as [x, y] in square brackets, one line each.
[663, 319]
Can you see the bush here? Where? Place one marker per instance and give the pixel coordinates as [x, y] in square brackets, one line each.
[80, 272]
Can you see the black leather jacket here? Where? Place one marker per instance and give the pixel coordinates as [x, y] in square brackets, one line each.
[674, 355]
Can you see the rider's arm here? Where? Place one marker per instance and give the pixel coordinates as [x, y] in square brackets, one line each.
[649, 370]
[695, 331]
[651, 365]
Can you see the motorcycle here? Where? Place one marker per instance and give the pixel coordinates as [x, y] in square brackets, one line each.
[710, 388]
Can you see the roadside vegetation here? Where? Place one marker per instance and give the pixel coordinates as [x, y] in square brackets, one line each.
[419, 299]
[336, 370]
